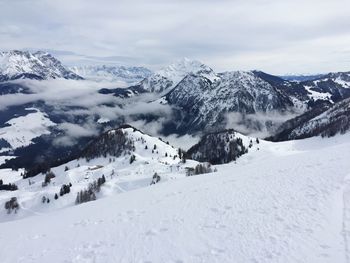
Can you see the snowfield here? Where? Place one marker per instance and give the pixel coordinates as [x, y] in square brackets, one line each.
[22, 130]
[283, 202]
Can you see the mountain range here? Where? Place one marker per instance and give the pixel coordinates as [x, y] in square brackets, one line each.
[186, 97]
[138, 163]
[112, 73]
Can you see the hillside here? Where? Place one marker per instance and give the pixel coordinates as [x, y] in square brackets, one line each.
[325, 120]
[126, 157]
[251, 210]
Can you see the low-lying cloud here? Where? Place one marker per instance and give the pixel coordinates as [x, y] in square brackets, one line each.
[258, 124]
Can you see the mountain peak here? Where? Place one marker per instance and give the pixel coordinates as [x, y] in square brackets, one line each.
[182, 67]
[168, 77]
[16, 64]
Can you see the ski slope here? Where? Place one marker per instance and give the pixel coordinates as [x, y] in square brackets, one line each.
[286, 202]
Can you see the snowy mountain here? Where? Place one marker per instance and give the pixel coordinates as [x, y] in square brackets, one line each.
[326, 120]
[167, 78]
[205, 102]
[112, 73]
[192, 99]
[299, 78]
[39, 65]
[222, 147]
[332, 87]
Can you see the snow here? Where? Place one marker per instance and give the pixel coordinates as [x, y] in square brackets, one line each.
[168, 77]
[22, 130]
[121, 175]
[343, 83]
[4, 158]
[15, 63]
[179, 69]
[129, 75]
[318, 95]
[286, 202]
[103, 120]
[9, 176]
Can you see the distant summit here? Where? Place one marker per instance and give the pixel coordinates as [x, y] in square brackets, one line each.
[26, 65]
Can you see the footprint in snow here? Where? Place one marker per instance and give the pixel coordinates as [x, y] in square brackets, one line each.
[215, 210]
[151, 232]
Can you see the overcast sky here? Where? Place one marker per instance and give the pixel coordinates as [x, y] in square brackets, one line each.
[277, 36]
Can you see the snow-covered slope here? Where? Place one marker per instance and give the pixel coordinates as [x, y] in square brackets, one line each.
[324, 120]
[20, 131]
[332, 87]
[39, 65]
[126, 157]
[112, 73]
[167, 78]
[287, 202]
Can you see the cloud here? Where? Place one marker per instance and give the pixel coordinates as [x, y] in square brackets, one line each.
[60, 92]
[77, 131]
[258, 124]
[275, 36]
[72, 132]
[77, 105]
[154, 128]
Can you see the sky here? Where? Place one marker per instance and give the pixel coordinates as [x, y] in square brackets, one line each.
[276, 36]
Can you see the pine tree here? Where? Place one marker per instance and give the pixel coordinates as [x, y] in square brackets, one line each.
[77, 199]
[61, 191]
[81, 196]
[132, 158]
[180, 153]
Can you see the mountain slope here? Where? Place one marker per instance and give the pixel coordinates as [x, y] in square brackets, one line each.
[333, 87]
[112, 73]
[205, 102]
[168, 77]
[127, 158]
[326, 120]
[251, 211]
[39, 65]
[222, 147]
